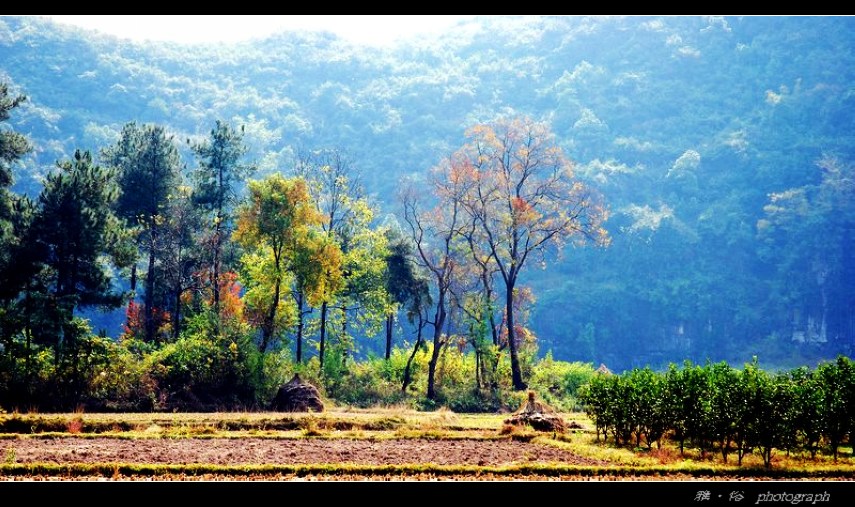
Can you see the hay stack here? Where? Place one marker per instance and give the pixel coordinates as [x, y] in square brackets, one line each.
[298, 396]
[538, 415]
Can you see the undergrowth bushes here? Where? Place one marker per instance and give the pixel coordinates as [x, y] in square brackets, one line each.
[200, 373]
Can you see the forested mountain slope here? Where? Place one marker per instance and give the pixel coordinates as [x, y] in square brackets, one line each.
[723, 148]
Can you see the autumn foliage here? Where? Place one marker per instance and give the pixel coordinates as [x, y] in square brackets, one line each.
[134, 327]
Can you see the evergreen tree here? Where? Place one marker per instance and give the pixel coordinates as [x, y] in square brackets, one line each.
[181, 256]
[76, 235]
[148, 168]
[13, 146]
[402, 283]
[16, 263]
[217, 178]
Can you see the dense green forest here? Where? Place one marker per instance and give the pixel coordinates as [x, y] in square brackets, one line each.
[286, 181]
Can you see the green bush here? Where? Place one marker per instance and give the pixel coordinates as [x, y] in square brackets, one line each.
[364, 385]
[205, 371]
[558, 382]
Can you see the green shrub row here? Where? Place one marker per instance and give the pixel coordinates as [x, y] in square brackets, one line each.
[718, 408]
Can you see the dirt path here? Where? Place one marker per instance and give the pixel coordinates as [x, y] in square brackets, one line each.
[223, 451]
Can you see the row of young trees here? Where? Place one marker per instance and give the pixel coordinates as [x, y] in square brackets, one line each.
[207, 264]
[718, 408]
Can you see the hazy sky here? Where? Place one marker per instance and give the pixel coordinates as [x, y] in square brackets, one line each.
[364, 29]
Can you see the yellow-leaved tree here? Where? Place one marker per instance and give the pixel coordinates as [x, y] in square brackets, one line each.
[275, 227]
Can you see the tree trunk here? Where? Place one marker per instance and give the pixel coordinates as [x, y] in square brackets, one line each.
[28, 367]
[300, 325]
[439, 321]
[516, 372]
[343, 338]
[133, 290]
[494, 329]
[407, 378]
[150, 278]
[218, 240]
[390, 323]
[478, 363]
[179, 290]
[270, 319]
[176, 315]
[488, 293]
[740, 451]
[324, 308]
[216, 277]
[434, 358]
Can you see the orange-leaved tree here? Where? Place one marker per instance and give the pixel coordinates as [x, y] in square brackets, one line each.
[524, 200]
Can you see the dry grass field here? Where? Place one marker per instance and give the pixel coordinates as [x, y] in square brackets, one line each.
[351, 444]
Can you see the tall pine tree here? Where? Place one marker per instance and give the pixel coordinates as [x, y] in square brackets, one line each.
[217, 178]
[15, 266]
[76, 236]
[13, 146]
[148, 168]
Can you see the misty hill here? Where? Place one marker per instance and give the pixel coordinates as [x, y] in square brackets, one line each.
[723, 147]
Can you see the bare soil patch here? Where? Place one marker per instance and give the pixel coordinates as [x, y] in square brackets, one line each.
[248, 451]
